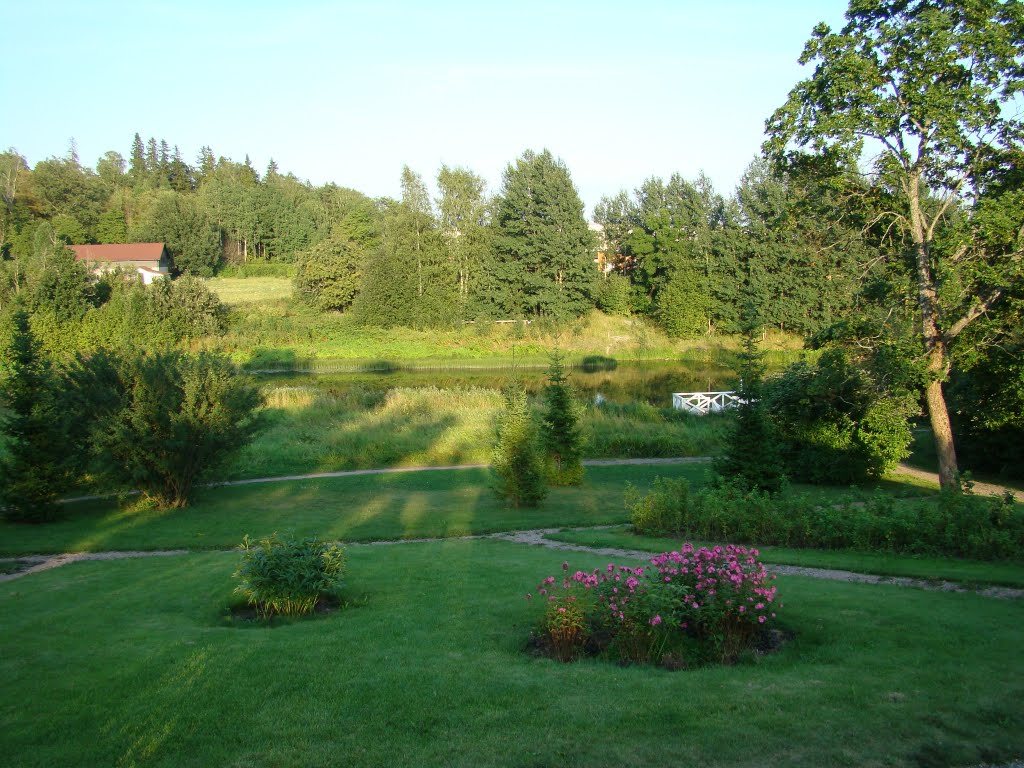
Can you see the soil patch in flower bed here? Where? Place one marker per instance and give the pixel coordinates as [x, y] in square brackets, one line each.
[598, 645]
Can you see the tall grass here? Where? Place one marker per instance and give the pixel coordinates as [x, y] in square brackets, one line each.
[315, 430]
[361, 428]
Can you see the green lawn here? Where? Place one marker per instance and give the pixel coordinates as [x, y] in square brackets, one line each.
[410, 505]
[360, 508]
[134, 663]
[970, 572]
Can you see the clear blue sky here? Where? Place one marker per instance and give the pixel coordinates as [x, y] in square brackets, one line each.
[349, 91]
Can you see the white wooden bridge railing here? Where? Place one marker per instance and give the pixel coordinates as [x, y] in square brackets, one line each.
[703, 403]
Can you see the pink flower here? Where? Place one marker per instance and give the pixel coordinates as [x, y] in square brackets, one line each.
[655, 621]
[760, 619]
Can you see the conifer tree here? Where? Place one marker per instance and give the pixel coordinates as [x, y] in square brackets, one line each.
[752, 458]
[39, 462]
[559, 429]
[543, 262]
[518, 465]
[137, 170]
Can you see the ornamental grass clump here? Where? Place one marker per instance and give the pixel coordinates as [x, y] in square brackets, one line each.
[688, 606]
[285, 576]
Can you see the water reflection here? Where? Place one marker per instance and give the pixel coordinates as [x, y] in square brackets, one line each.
[595, 380]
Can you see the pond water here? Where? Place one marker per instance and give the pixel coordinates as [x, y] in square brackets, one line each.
[602, 380]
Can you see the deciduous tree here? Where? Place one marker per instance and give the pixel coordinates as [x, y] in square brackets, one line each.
[926, 83]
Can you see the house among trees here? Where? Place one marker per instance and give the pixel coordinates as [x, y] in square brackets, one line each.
[150, 260]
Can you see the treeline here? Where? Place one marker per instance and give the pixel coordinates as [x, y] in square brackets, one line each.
[675, 251]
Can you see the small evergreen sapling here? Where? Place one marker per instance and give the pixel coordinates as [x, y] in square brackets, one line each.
[752, 458]
[560, 430]
[518, 464]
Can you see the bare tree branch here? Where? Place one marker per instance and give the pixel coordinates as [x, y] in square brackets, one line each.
[973, 314]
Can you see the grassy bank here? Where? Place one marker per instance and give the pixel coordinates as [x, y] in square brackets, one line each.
[271, 330]
[135, 663]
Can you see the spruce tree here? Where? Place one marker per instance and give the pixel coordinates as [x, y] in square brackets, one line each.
[559, 429]
[39, 462]
[137, 170]
[518, 464]
[543, 260]
[752, 458]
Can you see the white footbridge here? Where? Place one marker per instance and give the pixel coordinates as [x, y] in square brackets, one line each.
[703, 403]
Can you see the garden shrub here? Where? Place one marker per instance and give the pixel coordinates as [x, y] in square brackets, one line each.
[613, 294]
[689, 606]
[662, 510]
[833, 422]
[952, 523]
[169, 419]
[285, 576]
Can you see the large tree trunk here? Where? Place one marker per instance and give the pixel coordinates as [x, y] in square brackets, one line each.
[938, 414]
[934, 343]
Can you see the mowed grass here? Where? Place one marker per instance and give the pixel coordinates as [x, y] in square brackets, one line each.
[308, 429]
[136, 663]
[251, 290]
[354, 508]
[968, 572]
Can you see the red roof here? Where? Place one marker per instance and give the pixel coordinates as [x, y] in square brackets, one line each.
[126, 252]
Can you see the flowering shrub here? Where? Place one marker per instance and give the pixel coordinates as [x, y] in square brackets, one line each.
[722, 595]
[694, 604]
[564, 628]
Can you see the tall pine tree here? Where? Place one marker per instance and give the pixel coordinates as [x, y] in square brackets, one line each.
[543, 261]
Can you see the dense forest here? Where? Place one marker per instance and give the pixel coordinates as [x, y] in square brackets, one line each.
[676, 251]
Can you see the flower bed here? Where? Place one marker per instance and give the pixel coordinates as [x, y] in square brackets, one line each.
[688, 607]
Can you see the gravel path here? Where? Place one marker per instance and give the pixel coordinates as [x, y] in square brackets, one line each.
[539, 538]
[536, 538]
[985, 489]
